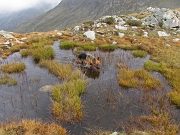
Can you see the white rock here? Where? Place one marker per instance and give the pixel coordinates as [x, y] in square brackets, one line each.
[90, 35]
[176, 39]
[23, 38]
[134, 27]
[119, 27]
[46, 88]
[114, 43]
[145, 34]
[121, 22]
[59, 33]
[17, 41]
[168, 45]
[121, 35]
[6, 43]
[163, 34]
[77, 28]
[7, 35]
[114, 133]
[98, 25]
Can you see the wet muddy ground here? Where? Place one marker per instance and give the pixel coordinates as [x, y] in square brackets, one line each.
[107, 105]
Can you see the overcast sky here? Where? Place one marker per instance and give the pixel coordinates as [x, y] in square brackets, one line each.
[15, 5]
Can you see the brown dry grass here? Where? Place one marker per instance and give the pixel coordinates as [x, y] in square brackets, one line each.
[31, 127]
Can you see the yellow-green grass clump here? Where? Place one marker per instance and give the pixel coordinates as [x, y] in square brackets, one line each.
[107, 47]
[159, 123]
[25, 52]
[6, 79]
[67, 104]
[31, 127]
[78, 50]
[139, 53]
[63, 71]
[171, 74]
[40, 53]
[86, 46]
[40, 39]
[66, 45]
[153, 66]
[139, 78]
[14, 67]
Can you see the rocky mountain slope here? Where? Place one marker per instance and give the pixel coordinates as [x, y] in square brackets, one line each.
[11, 20]
[72, 12]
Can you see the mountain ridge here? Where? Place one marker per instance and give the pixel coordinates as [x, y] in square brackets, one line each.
[73, 12]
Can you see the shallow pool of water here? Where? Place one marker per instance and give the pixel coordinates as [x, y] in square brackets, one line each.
[106, 104]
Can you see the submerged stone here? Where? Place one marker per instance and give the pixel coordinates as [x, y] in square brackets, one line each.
[46, 88]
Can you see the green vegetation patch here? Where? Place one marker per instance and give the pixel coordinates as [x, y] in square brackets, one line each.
[67, 104]
[134, 22]
[66, 45]
[25, 53]
[40, 53]
[159, 122]
[128, 47]
[6, 79]
[86, 46]
[109, 20]
[139, 53]
[63, 71]
[89, 48]
[153, 66]
[140, 79]
[41, 40]
[107, 47]
[66, 100]
[171, 74]
[175, 97]
[14, 67]
[31, 127]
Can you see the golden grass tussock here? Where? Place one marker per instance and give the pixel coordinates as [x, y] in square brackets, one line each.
[42, 53]
[63, 71]
[67, 104]
[31, 127]
[7, 79]
[14, 67]
[66, 100]
[160, 124]
[139, 78]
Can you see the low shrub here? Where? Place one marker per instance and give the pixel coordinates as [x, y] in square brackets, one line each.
[134, 22]
[109, 20]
